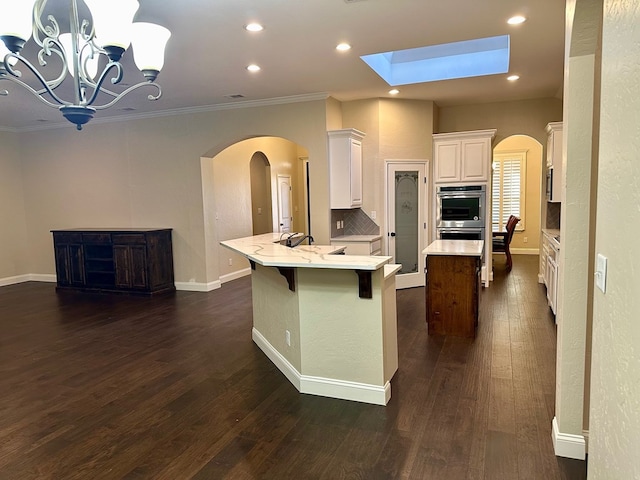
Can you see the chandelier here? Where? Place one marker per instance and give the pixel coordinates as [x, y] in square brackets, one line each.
[80, 52]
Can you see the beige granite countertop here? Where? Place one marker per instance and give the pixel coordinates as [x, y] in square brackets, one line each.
[266, 250]
[468, 248]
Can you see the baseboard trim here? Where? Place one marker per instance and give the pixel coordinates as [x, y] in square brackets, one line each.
[358, 392]
[525, 251]
[197, 286]
[49, 278]
[320, 386]
[276, 358]
[566, 444]
[585, 434]
[235, 275]
[29, 277]
[43, 277]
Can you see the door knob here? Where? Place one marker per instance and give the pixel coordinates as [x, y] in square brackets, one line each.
[392, 234]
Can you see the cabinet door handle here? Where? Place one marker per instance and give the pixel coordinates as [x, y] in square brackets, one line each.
[392, 234]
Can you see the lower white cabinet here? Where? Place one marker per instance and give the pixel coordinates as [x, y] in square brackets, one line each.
[359, 244]
[549, 258]
[552, 285]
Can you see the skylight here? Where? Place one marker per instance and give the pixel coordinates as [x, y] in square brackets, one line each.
[470, 58]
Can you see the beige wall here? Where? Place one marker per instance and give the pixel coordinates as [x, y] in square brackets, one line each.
[149, 173]
[527, 117]
[159, 172]
[395, 130]
[614, 427]
[14, 254]
[533, 177]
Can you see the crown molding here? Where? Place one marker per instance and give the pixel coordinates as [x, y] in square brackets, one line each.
[179, 111]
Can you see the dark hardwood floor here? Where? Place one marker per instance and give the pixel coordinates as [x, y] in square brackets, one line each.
[110, 387]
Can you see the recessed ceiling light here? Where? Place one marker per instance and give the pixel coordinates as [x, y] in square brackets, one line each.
[516, 20]
[253, 68]
[513, 78]
[343, 47]
[394, 91]
[254, 27]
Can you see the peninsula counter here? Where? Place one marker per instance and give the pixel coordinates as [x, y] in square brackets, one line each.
[327, 321]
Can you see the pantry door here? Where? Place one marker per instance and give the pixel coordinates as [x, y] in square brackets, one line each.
[406, 219]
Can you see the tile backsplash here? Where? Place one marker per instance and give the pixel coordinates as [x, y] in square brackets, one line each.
[354, 221]
[553, 215]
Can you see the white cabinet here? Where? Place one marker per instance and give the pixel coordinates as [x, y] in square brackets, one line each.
[554, 159]
[544, 253]
[552, 286]
[462, 156]
[345, 168]
[549, 258]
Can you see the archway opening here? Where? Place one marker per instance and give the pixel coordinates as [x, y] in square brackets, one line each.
[261, 207]
[517, 188]
[244, 194]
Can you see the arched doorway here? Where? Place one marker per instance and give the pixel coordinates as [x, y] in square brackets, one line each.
[244, 194]
[261, 207]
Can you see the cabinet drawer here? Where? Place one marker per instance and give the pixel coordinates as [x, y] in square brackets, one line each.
[129, 238]
[96, 237]
[67, 237]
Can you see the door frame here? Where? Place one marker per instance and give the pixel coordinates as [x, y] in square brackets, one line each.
[280, 177]
[423, 233]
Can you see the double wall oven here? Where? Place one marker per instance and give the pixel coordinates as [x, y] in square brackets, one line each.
[461, 212]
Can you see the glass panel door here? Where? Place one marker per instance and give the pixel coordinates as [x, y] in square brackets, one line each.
[406, 220]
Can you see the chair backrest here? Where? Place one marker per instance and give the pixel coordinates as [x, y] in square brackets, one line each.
[511, 227]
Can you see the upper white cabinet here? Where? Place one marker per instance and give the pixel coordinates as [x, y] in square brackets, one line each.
[345, 168]
[554, 161]
[554, 145]
[462, 157]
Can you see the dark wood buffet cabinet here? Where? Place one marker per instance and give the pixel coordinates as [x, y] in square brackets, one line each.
[135, 261]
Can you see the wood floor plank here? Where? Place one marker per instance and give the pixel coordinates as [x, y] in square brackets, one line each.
[116, 387]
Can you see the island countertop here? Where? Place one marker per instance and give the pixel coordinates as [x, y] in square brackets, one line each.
[467, 248]
[266, 250]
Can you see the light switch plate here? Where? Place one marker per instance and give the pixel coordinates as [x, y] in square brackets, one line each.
[601, 272]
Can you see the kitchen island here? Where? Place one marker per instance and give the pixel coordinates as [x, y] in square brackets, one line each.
[453, 286]
[327, 321]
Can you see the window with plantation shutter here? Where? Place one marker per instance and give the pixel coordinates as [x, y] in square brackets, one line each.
[508, 189]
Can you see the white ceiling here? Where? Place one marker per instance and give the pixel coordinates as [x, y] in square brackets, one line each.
[209, 50]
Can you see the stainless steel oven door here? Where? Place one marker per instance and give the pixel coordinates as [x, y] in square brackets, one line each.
[460, 233]
[460, 209]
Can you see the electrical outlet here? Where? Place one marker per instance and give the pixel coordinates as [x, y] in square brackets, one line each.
[341, 223]
[338, 224]
[373, 215]
[259, 211]
[525, 239]
[287, 337]
[230, 261]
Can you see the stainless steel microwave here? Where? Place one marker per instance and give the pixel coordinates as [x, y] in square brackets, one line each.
[461, 206]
